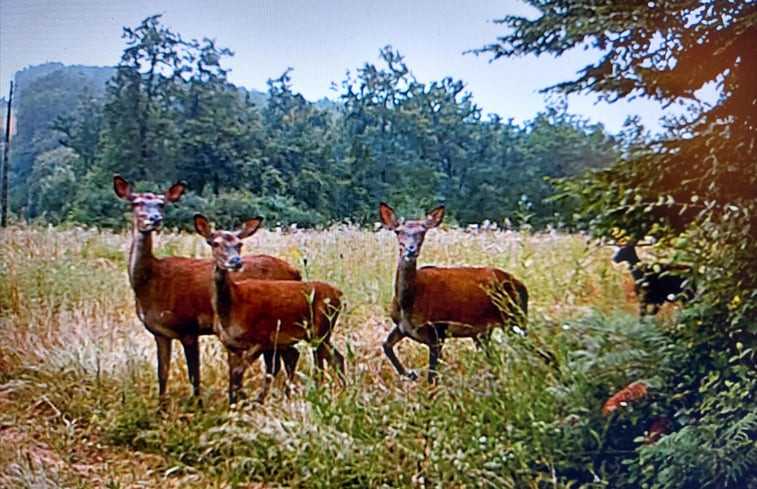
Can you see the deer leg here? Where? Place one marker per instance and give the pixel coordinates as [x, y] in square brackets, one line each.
[483, 339]
[318, 360]
[272, 360]
[332, 355]
[395, 336]
[191, 346]
[336, 360]
[290, 357]
[237, 366]
[434, 353]
[164, 361]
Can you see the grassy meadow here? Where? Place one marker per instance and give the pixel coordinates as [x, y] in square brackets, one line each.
[78, 389]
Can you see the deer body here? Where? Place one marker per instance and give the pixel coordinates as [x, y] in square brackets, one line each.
[434, 303]
[172, 294]
[654, 283]
[461, 305]
[253, 317]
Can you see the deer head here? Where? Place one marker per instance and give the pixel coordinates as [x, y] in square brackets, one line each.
[410, 234]
[147, 208]
[227, 245]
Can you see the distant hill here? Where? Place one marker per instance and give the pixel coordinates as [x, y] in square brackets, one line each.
[69, 82]
[92, 78]
[45, 92]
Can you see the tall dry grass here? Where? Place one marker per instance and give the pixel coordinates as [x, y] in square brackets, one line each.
[77, 368]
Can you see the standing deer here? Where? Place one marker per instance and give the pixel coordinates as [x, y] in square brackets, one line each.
[257, 316]
[172, 294]
[431, 304]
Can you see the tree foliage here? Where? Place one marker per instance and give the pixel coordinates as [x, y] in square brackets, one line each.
[169, 113]
[694, 187]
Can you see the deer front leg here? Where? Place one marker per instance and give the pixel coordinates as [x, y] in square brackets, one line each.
[191, 346]
[237, 366]
[395, 336]
[163, 344]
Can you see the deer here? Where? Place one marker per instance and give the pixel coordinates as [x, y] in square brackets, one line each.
[654, 283]
[172, 294]
[257, 316]
[431, 304]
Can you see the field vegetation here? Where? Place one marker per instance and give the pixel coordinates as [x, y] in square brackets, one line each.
[79, 395]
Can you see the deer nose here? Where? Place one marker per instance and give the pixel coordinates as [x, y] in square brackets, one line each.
[235, 262]
[155, 219]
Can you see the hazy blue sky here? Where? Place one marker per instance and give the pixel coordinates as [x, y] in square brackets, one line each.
[319, 39]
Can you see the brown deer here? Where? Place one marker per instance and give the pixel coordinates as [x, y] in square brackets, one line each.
[173, 294]
[257, 316]
[431, 304]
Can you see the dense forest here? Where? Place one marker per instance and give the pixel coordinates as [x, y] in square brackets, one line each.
[166, 112]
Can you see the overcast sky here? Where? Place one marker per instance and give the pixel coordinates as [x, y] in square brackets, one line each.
[320, 39]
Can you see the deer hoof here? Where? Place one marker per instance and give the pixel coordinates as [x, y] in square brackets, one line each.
[412, 375]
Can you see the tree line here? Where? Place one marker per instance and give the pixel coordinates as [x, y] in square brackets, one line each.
[168, 113]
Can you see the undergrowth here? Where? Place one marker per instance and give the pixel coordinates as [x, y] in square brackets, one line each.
[78, 374]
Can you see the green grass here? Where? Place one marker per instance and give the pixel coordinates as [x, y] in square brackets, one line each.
[77, 373]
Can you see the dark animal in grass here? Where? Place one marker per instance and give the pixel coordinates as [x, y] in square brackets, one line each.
[654, 283]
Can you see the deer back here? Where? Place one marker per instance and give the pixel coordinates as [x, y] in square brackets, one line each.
[460, 295]
[176, 298]
[279, 313]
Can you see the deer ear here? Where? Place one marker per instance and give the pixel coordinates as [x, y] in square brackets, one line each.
[121, 187]
[388, 216]
[434, 218]
[249, 227]
[202, 226]
[175, 192]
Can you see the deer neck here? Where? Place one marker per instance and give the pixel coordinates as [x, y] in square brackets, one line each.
[221, 294]
[635, 268]
[636, 272]
[140, 258]
[404, 286]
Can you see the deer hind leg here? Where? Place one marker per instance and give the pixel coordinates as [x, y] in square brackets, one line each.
[164, 361]
[327, 351]
[272, 361]
[395, 336]
[435, 351]
[191, 346]
[290, 356]
[272, 366]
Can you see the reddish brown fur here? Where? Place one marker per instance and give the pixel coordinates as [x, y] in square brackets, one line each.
[173, 294]
[258, 316]
[177, 295]
[458, 294]
[278, 310]
[431, 304]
